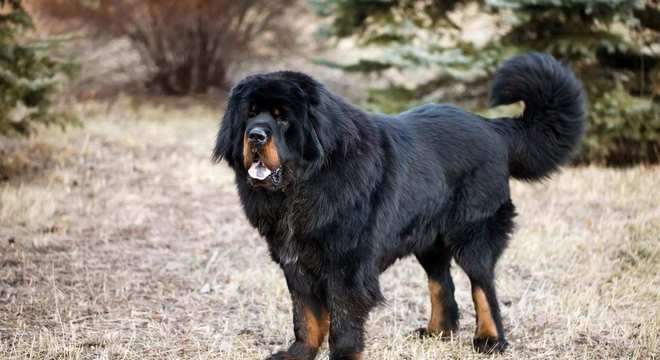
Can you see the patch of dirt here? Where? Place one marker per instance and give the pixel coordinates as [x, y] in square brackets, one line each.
[122, 240]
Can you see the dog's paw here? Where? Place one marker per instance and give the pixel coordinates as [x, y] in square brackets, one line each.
[490, 345]
[423, 333]
[282, 355]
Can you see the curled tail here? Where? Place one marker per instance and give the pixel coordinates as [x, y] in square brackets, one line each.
[553, 122]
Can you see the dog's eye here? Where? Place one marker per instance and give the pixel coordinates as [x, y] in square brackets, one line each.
[253, 111]
[279, 117]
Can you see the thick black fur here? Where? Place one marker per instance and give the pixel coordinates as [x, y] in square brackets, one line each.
[361, 190]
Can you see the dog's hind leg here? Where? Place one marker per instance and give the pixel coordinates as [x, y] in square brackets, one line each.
[476, 248]
[444, 312]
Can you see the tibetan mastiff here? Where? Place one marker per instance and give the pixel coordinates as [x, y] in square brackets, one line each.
[340, 194]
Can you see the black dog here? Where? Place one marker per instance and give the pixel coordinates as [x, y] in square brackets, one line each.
[340, 194]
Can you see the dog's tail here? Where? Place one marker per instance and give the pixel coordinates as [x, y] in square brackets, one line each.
[553, 122]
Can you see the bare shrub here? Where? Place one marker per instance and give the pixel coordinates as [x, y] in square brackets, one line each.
[187, 46]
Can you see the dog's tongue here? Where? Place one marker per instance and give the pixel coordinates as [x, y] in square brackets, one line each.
[258, 171]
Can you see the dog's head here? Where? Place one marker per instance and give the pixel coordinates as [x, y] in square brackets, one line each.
[274, 130]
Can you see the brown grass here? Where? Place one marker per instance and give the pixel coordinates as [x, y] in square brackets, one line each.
[126, 243]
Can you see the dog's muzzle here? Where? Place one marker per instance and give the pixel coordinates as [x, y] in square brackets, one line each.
[257, 137]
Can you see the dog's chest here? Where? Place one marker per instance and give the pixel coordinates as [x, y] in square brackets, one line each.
[283, 230]
[299, 252]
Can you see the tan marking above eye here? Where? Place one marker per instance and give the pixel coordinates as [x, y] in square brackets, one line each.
[276, 112]
[253, 107]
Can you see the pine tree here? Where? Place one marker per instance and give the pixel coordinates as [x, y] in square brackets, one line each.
[28, 75]
[613, 45]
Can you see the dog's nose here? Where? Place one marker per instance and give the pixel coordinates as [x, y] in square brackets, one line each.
[257, 136]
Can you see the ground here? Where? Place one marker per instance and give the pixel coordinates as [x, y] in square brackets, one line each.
[121, 240]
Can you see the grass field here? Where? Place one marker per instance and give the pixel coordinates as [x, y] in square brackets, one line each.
[120, 240]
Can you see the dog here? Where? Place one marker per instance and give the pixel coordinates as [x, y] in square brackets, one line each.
[340, 194]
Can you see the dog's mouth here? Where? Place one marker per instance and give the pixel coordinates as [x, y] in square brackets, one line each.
[260, 173]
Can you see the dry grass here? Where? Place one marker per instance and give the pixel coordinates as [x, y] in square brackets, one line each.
[126, 243]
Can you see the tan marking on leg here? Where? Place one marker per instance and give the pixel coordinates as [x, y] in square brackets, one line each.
[269, 154]
[247, 152]
[485, 323]
[435, 322]
[317, 327]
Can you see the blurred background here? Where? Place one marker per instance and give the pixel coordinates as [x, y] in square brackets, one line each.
[118, 238]
[390, 55]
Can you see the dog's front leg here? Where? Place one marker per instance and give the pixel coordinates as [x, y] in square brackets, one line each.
[352, 292]
[311, 319]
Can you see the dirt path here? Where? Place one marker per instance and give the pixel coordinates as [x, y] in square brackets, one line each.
[130, 244]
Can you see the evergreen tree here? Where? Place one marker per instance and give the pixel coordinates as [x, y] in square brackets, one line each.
[613, 45]
[28, 75]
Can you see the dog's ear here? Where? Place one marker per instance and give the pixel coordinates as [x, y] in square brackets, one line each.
[313, 150]
[303, 138]
[318, 139]
[329, 121]
[225, 142]
[304, 91]
[308, 87]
